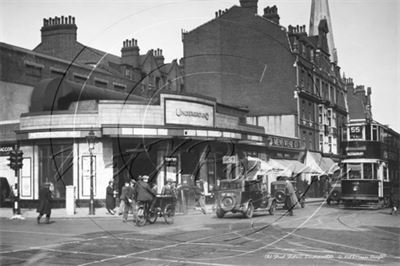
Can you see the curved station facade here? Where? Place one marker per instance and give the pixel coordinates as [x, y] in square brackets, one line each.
[178, 136]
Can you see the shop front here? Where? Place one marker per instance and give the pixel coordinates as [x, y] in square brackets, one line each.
[179, 137]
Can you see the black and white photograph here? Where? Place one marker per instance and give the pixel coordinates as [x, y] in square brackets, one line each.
[199, 132]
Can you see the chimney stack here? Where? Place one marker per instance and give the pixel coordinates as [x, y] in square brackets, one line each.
[158, 56]
[130, 53]
[271, 13]
[250, 4]
[58, 30]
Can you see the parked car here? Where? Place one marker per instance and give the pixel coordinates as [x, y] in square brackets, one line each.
[335, 190]
[278, 192]
[245, 196]
[5, 191]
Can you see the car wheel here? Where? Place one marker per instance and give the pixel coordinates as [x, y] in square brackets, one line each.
[220, 213]
[250, 210]
[272, 208]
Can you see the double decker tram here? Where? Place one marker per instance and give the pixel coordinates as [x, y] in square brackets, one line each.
[370, 172]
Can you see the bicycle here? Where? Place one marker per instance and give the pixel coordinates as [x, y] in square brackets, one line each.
[164, 206]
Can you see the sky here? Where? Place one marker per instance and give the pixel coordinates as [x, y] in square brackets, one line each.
[366, 33]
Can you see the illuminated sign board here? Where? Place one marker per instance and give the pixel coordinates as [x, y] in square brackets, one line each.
[188, 113]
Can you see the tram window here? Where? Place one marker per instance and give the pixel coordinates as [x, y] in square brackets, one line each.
[354, 171]
[374, 132]
[368, 171]
[368, 132]
[385, 174]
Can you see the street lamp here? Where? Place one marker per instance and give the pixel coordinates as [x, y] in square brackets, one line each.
[91, 140]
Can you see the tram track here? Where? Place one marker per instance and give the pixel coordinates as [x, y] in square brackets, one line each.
[225, 239]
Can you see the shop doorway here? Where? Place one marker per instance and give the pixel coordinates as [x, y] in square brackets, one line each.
[55, 166]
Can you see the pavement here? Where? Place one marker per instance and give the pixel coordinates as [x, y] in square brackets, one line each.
[102, 212]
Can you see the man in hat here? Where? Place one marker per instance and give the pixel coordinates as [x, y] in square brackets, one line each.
[144, 193]
[168, 188]
[126, 199]
[291, 198]
[199, 195]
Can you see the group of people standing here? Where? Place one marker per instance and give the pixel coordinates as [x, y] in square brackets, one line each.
[138, 192]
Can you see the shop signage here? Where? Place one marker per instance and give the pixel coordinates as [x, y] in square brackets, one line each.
[363, 149]
[171, 161]
[229, 159]
[5, 150]
[284, 143]
[188, 113]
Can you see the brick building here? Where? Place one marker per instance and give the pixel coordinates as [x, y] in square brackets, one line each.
[282, 76]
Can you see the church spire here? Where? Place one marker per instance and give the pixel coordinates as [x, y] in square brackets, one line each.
[319, 11]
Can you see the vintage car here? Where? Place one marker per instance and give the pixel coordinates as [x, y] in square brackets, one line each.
[244, 196]
[335, 192]
[278, 192]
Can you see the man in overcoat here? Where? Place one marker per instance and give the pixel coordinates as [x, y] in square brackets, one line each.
[126, 199]
[199, 195]
[144, 193]
[45, 199]
[291, 198]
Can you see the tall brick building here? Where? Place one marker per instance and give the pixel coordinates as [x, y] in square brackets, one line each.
[284, 77]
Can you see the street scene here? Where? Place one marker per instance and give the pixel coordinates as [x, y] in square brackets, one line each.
[201, 132]
[315, 235]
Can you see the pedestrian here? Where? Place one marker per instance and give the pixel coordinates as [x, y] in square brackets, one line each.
[144, 193]
[199, 196]
[395, 198]
[110, 201]
[126, 199]
[167, 188]
[179, 198]
[291, 198]
[45, 200]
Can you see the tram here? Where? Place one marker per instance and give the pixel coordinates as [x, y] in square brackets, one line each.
[370, 172]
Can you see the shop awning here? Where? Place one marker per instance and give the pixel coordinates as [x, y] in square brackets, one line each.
[320, 165]
[280, 167]
[293, 167]
[257, 167]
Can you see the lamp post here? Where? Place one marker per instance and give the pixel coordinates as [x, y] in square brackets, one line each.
[91, 140]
